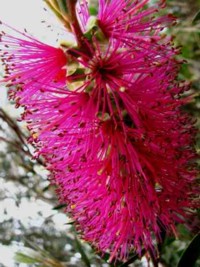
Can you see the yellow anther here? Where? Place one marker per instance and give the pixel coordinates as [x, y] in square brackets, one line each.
[122, 89]
[35, 135]
[118, 233]
[100, 171]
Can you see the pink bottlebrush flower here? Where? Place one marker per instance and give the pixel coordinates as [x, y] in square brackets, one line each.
[107, 117]
[26, 62]
[122, 182]
[132, 21]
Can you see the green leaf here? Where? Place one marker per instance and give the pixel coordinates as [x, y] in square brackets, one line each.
[46, 188]
[133, 259]
[70, 223]
[62, 6]
[22, 258]
[191, 253]
[82, 252]
[196, 18]
[60, 206]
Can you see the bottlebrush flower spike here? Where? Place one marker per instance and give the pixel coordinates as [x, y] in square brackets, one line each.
[107, 117]
[27, 60]
[132, 21]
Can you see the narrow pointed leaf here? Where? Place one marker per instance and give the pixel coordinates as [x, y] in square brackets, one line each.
[82, 252]
[191, 254]
[62, 6]
[133, 259]
[22, 258]
[196, 18]
[60, 206]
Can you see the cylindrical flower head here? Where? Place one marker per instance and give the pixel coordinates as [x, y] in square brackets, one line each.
[107, 117]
